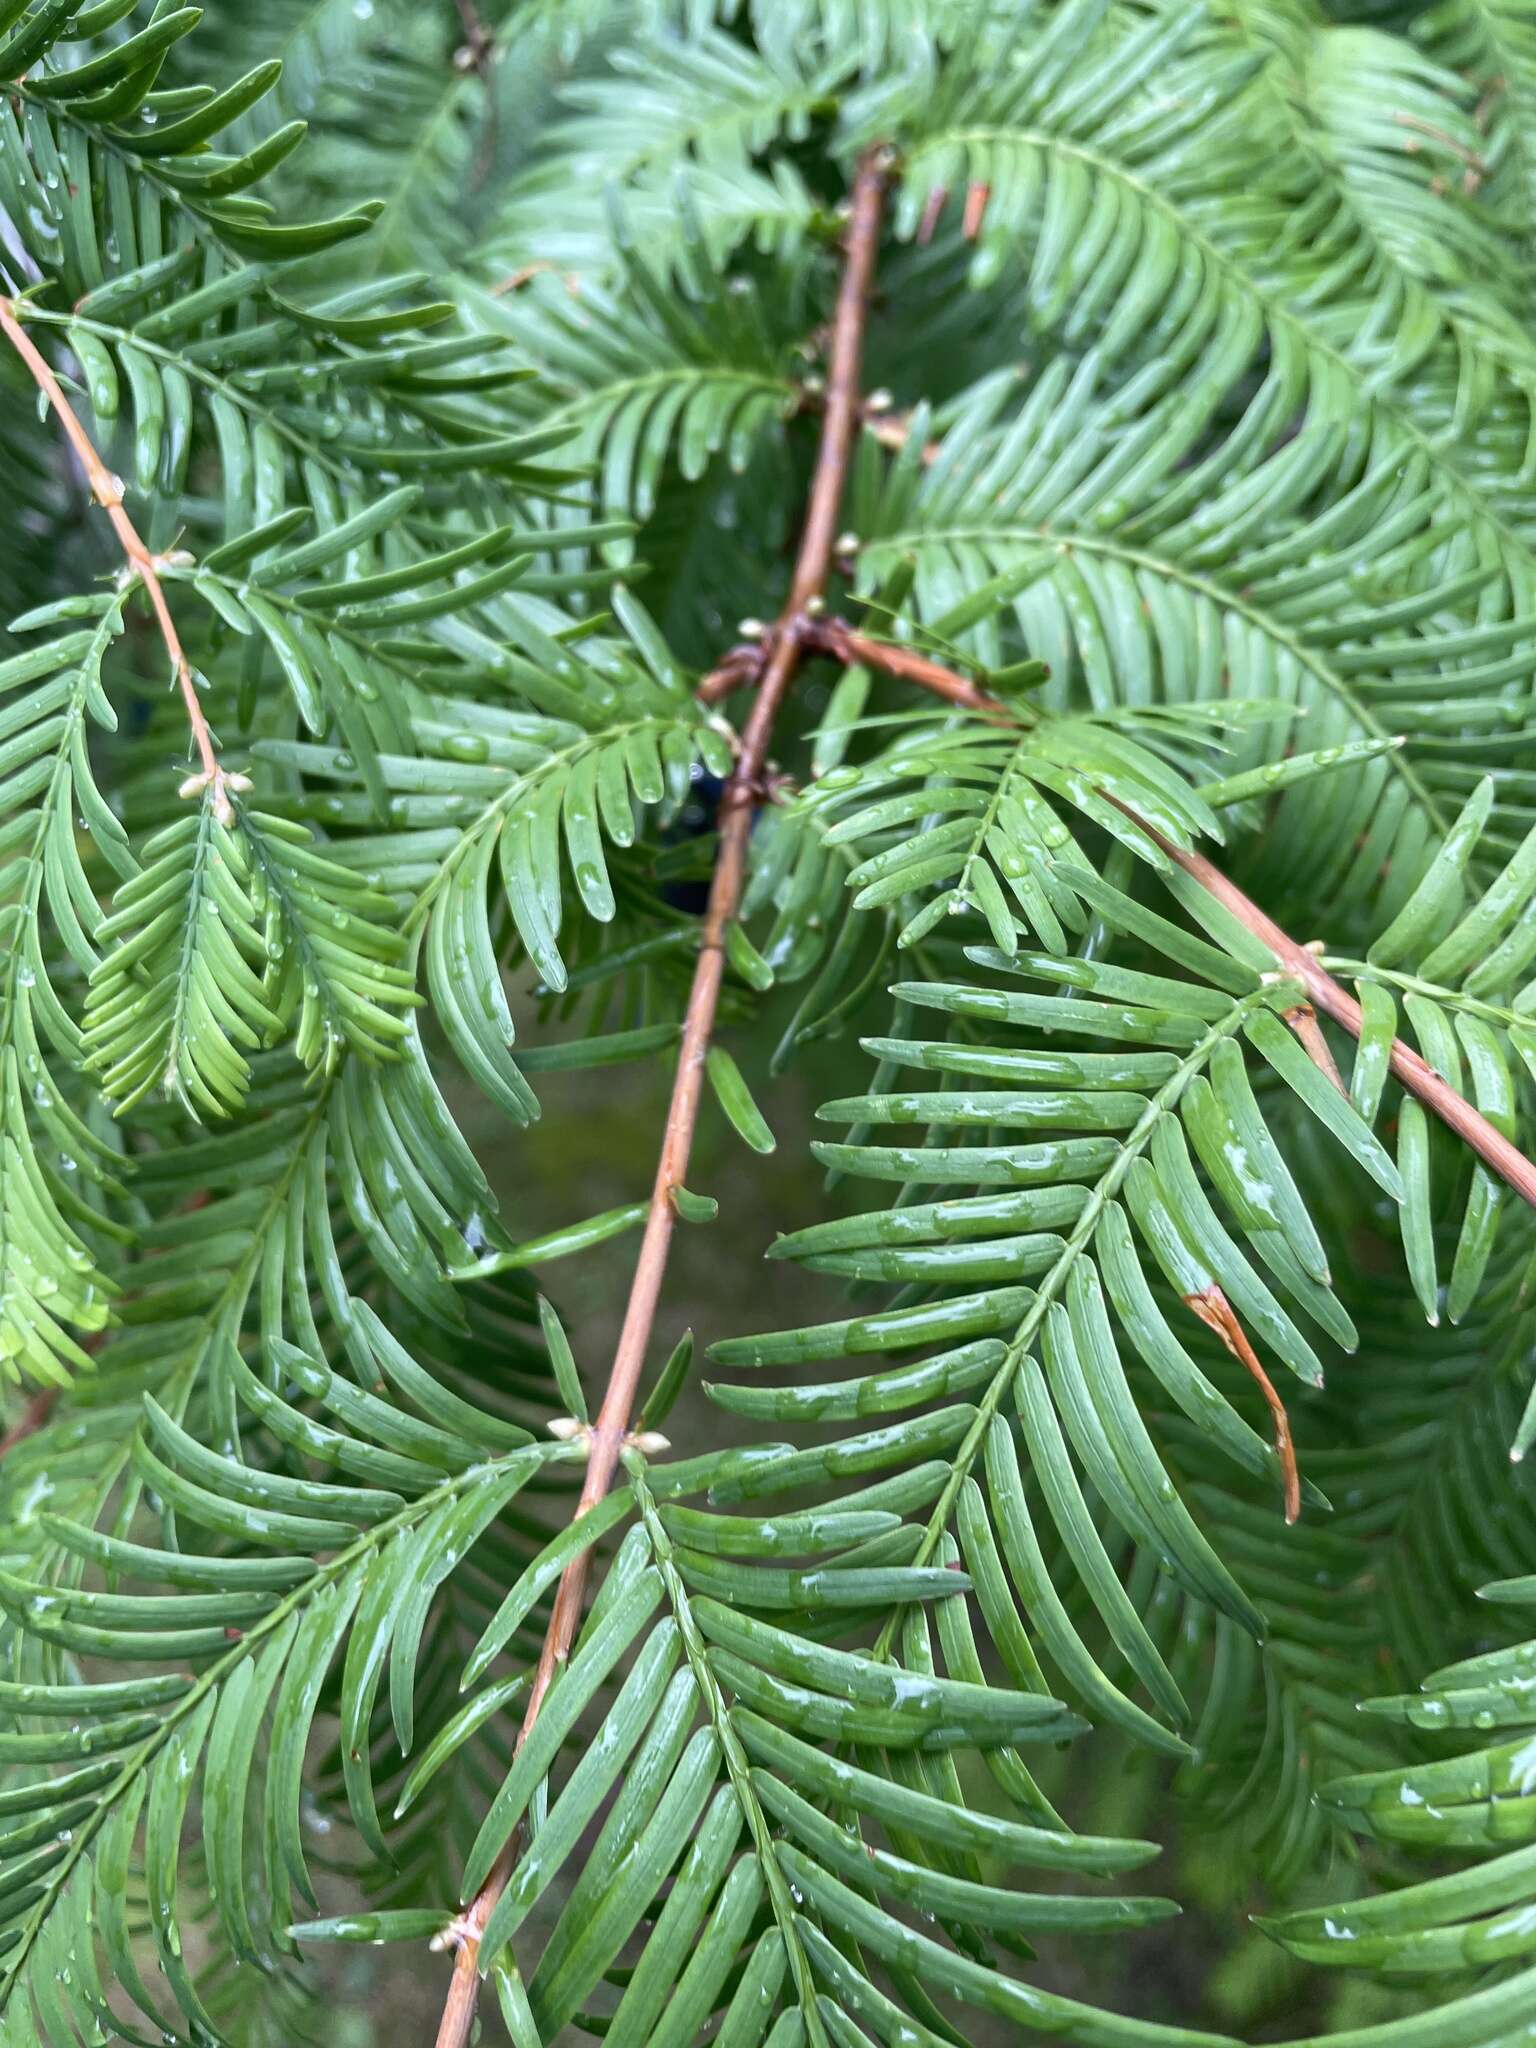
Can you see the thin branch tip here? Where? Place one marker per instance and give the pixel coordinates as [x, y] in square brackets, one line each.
[1293, 960]
[1415, 1073]
[143, 565]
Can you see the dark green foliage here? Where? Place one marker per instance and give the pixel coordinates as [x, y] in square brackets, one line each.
[463, 431]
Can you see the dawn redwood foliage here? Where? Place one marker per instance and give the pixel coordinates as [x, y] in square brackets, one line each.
[984, 548]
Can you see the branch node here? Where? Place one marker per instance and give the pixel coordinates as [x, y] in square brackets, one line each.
[453, 1936]
[220, 782]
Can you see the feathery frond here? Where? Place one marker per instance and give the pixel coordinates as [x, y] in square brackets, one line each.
[732, 535]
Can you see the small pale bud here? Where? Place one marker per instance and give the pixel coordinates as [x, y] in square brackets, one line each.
[846, 544]
[454, 1935]
[751, 629]
[650, 1443]
[879, 401]
[568, 1429]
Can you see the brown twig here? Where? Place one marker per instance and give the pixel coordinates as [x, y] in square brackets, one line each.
[1472, 158]
[834, 637]
[1415, 1073]
[743, 792]
[837, 639]
[736, 667]
[519, 278]
[1217, 1313]
[107, 490]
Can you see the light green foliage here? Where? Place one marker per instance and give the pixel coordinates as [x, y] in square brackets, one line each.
[463, 430]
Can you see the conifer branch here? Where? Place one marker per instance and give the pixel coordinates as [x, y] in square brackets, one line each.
[785, 646]
[143, 565]
[1414, 1072]
[710, 1829]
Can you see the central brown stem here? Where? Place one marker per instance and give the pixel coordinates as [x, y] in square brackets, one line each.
[742, 793]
